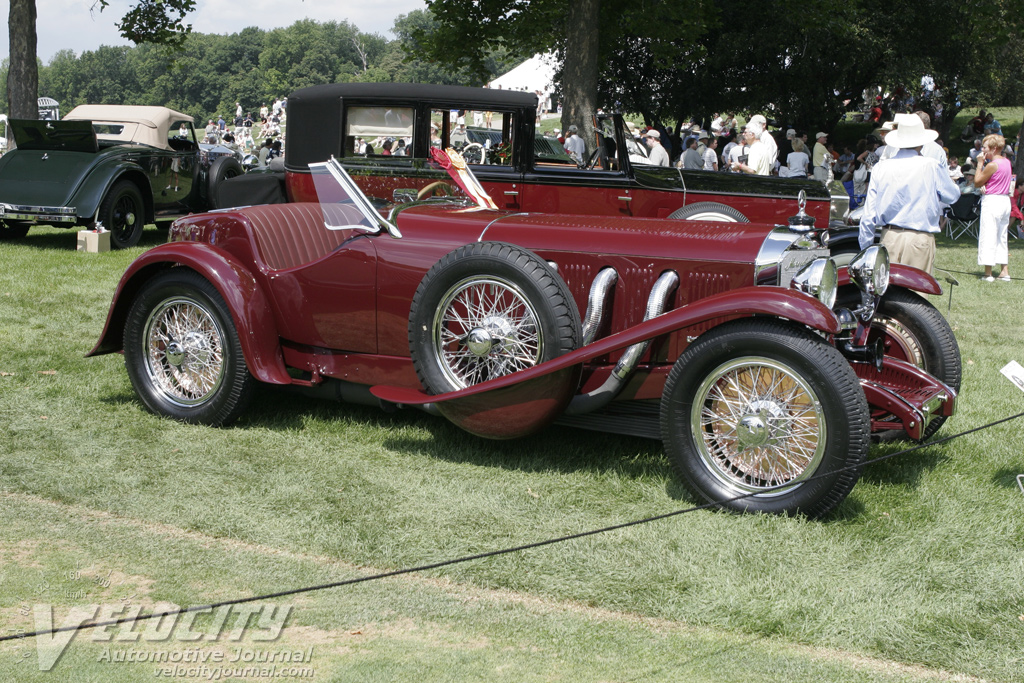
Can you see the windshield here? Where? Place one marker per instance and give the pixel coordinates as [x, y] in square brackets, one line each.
[343, 204]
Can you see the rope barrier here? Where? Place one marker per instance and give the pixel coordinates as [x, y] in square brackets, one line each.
[495, 553]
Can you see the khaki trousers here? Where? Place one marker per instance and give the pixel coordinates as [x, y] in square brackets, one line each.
[910, 247]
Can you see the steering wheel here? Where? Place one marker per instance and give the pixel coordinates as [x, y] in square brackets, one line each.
[441, 186]
[594, 159]
[473, 153]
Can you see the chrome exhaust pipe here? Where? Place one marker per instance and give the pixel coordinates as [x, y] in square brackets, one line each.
[602, 396]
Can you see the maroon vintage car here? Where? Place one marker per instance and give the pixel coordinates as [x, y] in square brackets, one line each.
[724, 342]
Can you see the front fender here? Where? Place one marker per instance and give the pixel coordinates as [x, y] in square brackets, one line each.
[88, 196]
[901, 275]
[769, 301]
[249, 306]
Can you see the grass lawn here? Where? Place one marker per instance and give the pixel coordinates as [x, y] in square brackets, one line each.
[917, 577]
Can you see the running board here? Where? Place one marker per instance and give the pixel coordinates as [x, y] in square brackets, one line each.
[630, 418]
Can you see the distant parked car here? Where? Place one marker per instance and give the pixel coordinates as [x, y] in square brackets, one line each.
[119, 166]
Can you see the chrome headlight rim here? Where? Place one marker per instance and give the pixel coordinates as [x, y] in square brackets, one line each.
[869, 270]
[820, 279]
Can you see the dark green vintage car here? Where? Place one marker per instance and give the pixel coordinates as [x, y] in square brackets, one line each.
[119, 166]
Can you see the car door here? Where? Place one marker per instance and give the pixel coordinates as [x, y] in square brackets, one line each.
[555, 184]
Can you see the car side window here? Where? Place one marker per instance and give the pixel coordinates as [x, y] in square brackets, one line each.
[482, 137]
[378, 131]
[181, 136]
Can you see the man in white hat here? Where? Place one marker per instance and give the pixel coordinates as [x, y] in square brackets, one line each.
[758, 158]
[820, 157]
[906, 197]
[761, 131]
[574, 145]
[658, 155]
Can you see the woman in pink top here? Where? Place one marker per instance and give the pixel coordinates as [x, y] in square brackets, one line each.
[995, 174]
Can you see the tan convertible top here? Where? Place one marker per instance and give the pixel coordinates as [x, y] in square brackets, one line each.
[124, 123]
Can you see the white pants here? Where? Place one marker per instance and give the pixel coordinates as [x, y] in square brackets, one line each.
[995, 219]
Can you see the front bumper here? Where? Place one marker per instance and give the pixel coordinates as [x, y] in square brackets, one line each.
[38, 214]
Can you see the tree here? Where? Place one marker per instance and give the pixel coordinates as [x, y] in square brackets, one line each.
[148, 21]
[586, 34]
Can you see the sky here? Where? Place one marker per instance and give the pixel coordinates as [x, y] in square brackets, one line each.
[70, 24]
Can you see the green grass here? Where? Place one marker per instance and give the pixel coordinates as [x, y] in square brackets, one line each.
[918, 576]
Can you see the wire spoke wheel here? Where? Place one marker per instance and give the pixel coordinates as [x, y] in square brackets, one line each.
[763, 416]
[485, 327]
[184, 351]
[759, 424]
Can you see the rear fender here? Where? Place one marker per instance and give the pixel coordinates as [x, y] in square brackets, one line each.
[776, 302]
[90, 193]
[901, 276]
[249, 306]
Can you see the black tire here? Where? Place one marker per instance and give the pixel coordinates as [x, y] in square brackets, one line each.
[123, 213]
[708, 211]
[189, 324]
[222, 169]
[531, 318]
[13, 231]
[816, 396]
[913, 330]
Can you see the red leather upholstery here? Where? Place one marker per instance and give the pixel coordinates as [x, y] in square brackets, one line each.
[289, 235]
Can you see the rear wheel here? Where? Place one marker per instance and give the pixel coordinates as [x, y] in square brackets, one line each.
[123, 214]
[182, 351]
[765, 410]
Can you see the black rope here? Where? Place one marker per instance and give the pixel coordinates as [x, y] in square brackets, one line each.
[503, 551]
[963, 272]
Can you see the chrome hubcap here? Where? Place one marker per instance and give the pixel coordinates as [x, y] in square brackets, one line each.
[485, 328]
[758, 425]
[184, 353]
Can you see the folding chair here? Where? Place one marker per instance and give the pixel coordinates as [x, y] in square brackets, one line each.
[962, 217]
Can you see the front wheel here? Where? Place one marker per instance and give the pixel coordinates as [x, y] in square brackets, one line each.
[765, 410]
[123, 214]
[182, 351]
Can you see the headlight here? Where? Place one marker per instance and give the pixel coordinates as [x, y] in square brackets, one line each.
[869, 270]
[820, 279]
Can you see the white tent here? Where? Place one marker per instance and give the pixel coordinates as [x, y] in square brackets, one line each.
[536, 73]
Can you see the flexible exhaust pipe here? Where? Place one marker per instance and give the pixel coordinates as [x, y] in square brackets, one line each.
[603, 395]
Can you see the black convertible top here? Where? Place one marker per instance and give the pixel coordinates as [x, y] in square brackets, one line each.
[315, 113]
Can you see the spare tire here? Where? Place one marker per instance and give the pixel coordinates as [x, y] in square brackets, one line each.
[486, 310]
[708, 211]
[223, 168]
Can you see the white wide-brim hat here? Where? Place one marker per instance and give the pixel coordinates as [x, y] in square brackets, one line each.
[910, 132]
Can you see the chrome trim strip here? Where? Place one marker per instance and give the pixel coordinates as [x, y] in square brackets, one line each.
[47, 214]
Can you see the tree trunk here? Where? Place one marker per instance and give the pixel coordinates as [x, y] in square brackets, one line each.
[23, 72]
[580, 68]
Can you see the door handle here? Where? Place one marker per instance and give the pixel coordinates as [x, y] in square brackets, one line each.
[625, 199]
[511, 193]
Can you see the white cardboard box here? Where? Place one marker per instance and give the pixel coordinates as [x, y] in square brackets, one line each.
[93, 242]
